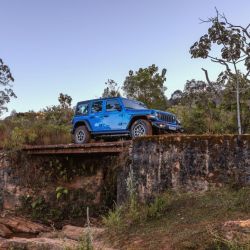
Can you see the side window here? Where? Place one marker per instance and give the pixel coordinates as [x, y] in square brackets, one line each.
[82, 109]
[96, 107]
[113, 105]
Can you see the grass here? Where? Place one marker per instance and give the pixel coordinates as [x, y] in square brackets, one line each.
[180, 221]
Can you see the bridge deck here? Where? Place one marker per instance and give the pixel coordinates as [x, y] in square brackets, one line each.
[90, 148]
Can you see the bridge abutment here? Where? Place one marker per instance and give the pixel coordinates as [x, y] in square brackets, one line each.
[60, 182]
[190, 163]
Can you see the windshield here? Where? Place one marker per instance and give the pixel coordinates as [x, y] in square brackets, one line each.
[82, 108]
[129, 104]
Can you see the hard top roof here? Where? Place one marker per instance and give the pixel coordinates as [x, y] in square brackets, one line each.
[108, 98]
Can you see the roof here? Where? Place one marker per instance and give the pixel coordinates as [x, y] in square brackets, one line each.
[106, 98]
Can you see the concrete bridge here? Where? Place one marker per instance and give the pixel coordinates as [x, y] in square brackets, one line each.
[108, 148]
[96, 174]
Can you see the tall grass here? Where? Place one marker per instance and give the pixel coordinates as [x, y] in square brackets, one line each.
[187, 218]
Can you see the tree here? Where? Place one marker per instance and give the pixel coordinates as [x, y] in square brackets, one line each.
[198, 104]
[147, 85]
[111, 90]
[65, 101]
[234, 43]
[176, 97]
[229, 103]
[6, 93]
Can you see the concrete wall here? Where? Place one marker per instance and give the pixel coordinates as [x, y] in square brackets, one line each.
[192, 163]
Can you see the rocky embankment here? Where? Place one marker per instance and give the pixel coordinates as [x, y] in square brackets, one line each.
[20, 233]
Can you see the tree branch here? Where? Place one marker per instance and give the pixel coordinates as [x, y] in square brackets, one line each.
[244, 58]
[215, 59]
[245, 30]
[206, 74]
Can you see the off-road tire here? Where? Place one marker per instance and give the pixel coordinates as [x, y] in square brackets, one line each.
[141, 127]
[81, 135]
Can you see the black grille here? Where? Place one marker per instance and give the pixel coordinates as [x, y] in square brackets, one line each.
[167, 118]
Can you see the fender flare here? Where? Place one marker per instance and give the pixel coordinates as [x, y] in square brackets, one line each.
[85, 123]
[136, 117]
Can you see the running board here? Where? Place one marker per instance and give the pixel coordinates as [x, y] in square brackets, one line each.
[111, 135]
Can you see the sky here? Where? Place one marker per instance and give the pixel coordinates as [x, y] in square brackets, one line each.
[73, 47]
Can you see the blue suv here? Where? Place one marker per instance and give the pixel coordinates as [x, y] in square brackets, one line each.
[119, 117]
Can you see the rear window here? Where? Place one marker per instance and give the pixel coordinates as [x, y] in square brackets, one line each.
[96, 107]
[130, 104]
[82, 108]
[113, 105]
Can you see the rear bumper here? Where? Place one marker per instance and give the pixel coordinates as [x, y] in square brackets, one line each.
[167, 127]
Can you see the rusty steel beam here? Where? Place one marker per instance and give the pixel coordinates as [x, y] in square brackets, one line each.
[90, 148]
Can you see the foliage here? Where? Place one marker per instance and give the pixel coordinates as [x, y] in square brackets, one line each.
[111, 90]
[184, 220]
[220, 242]
[5, 79]
[133, 211]
[234, 44]
[232, 39]
[36, 207]
[210, 107]
[85, 243]
[48, 126]
[60, 191]
[229, 104]
[113, 219]
[147, 85]
[65, 101]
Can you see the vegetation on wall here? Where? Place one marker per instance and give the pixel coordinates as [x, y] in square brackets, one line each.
[64, 199]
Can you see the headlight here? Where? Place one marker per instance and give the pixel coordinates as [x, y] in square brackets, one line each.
[154, 116]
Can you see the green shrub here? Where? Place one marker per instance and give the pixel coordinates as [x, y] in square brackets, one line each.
[61, 191]
[49, 126]
[113, 220]
[157, 208]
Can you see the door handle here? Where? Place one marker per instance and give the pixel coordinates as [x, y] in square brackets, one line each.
[106, 116]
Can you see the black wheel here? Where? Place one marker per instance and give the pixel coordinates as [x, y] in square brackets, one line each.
[81, 135]
[141, 128]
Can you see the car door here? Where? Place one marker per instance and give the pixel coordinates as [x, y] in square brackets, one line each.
[113, 115]
[96, 115]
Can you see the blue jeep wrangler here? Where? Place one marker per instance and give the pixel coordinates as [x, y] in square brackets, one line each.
[119, 117]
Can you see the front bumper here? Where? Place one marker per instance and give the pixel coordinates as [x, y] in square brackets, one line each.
[167, 127]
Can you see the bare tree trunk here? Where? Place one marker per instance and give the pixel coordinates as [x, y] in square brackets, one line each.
[238, 107]
[238, 101]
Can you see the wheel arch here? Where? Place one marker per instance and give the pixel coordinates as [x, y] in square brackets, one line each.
[82, 123]
[135, 118]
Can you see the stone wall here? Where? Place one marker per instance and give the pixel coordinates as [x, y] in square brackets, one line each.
[158, 163]
[28, 185]
[192, 163]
